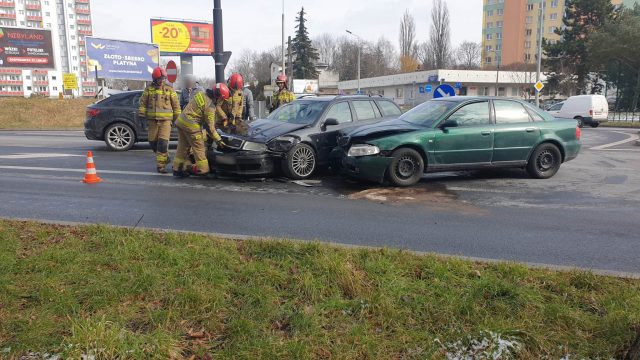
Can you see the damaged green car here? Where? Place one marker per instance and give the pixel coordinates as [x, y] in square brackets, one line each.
[459, 133]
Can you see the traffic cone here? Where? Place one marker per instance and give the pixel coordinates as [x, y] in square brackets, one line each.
[91, 176]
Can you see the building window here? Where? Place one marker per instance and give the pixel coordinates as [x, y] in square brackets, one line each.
[488, 37]
[499, 47]
[499, 24]
[488, 60]
[501, 91]
[399, 93]
[514, 91]
[527, 44]
[498, 36]
[489, 12]
[529, 7]
[489, 25]
[488, 48]
[553, 16]
[500, 12]
[527, 57]
[552, 30]
[554, 3]
[528, 32]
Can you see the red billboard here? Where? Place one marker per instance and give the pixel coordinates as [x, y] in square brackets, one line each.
[26, 48]
[175, 37]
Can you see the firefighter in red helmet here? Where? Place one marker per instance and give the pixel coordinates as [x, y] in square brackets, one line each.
[159, 105]
[198, 115]
[283, 96]
[234, 107]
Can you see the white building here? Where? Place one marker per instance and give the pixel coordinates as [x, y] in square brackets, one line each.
[414, 88]
[69, 22]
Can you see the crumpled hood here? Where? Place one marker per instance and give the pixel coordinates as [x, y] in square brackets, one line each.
[264, 130]
[384, 128]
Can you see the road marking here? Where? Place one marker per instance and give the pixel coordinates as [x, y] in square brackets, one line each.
[632, 137]
[116, 172]
[36, 156]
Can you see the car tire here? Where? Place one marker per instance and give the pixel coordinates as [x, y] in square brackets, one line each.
[300, 162]
[406, 168]
[595, 125]
[545, 161]
[580, 121]
[119, 137]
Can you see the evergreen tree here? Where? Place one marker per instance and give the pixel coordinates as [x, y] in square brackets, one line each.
[568, 59]
[305, 55]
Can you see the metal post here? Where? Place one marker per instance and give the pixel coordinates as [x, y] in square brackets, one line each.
[540, 35]
[290, 65]
[218, 41]
[359, 55]
[186, 65]
[497, 77]
[284, 64]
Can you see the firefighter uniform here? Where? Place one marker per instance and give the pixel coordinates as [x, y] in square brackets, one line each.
[198, 115]
[160, 106]
[283, 97]
[234, 108]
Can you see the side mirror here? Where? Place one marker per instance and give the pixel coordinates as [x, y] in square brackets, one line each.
[329, 122]
[449, 124]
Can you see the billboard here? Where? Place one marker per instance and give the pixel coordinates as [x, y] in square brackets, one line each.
[26, 48]
[305, 86]
[70, 81]
[175, 37]
[117, 59]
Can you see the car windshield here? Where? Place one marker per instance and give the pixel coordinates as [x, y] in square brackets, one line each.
[427, 113]
[299, 112]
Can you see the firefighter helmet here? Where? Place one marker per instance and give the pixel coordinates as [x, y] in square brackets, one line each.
[282, 78]
[221, 91]
[236, 82]
[158, 73]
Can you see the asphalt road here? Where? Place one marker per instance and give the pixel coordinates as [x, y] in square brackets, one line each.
[587, 216]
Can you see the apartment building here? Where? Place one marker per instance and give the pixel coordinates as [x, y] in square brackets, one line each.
[69, 21]
[510, 29]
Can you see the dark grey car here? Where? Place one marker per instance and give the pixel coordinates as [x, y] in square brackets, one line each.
[115, 121]
[299, 137]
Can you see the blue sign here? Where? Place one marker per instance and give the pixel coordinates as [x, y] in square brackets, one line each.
[117, 59]
[444, 90]
[432, 78]
[458, 85]
[428, 88]
[422, 90]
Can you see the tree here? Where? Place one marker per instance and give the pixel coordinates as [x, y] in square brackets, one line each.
[568, 59]
[244, 63]
[326, 45]
[408, 47]
[615, 48]
[440, 36]
[305, 55]
[469, 55]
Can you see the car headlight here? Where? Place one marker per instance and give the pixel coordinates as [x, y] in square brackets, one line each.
[282, 144]
[363, 150]
[253, 146]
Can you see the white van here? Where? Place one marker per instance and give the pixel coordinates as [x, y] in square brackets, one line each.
[587, 109]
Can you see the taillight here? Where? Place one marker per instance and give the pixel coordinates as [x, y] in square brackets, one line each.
[93, 112]
[578, 133]
[591, 112]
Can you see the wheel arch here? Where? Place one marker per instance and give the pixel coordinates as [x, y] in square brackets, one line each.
[555, 142]
[417, 148]
[124, 122]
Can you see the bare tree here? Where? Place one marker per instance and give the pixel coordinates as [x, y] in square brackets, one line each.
[345, 58]
[408, 35]
[244, 63]
[440, 37]
[326, 45]
[469, 55]
[426, 55]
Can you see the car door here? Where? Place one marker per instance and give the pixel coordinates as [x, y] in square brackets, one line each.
[555, 109]
[140, 123]
[327, 139]
[515, 133]
[470, 144]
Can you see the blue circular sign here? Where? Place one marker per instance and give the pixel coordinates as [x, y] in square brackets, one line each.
[444, 90]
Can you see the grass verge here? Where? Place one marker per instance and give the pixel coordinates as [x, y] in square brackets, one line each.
[40, 113]
[118, 293]
[624, 124]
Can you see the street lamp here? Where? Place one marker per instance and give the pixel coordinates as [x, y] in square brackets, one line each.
[539, 59]
[359, 46]
[498, 59]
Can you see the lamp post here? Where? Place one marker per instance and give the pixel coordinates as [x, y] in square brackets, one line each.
[359, 47]
[498, 59]
[540, 36]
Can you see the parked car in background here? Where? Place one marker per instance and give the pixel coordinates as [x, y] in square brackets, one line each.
[115, 121]
[459, 133]
[299, 136]
[589, 110]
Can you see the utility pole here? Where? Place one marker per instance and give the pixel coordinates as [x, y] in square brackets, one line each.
[284, 65]
[359, 56]
[498, 59]
[290, 65]
[218, 41]
[540, 35]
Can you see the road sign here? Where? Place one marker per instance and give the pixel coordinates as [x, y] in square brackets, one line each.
[421, 89]
[70, 81]
[539, 86]
[172, 71]
[428, 88]
[444, 90]
[458, 85]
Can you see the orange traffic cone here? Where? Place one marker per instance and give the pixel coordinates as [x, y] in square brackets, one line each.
[91, 176]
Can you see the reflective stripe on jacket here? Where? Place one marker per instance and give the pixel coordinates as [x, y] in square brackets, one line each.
[159, 103]
[200, 112]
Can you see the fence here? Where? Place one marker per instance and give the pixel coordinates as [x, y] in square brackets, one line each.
[624, 116]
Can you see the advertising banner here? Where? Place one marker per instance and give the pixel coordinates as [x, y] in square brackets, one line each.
[305, 86]
[26, 48]
[117, 59]
[70, 81]
[176, 37]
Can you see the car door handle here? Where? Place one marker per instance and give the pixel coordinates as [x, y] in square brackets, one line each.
[485, 133]
[530, 130]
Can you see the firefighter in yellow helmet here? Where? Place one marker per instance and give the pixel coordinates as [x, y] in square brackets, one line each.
[283, 96]
[159, 105]
[198, 115]
[234, 107]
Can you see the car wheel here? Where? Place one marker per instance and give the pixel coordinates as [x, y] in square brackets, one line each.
[406, 168]
[544, 162]
[580, 121]
[595, 124]
[119, 137]
[300, 162]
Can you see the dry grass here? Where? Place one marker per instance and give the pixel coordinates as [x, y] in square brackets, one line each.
[38, 113]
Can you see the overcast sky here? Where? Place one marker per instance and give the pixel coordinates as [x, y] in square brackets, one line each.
[256, 24]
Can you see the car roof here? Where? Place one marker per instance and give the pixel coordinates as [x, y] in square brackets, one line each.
[460, 99]
[342, 97]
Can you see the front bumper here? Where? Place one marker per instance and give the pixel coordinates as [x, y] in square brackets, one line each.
[246, 163]
[373, 168]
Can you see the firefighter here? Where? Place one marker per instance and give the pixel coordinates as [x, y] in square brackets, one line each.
[234, 107]
[198, 115]
[283, 96]
[159, 106]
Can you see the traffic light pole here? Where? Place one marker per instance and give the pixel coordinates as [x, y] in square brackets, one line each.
[218, 41]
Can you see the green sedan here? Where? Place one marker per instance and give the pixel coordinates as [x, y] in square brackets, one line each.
[459, 133]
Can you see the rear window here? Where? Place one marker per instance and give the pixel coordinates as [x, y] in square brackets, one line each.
[510, 112]
[389, 108]
[365, 110]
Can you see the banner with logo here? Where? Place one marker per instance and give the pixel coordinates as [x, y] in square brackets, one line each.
[182, 37]
[117, 59]
[26, 48]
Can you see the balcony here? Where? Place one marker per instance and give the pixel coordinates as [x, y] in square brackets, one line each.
[34, 18]
[83, 53]
[89, 84]
[7, 16]
[10, 71]
[80, 10]
[7, 4]
[11, 93]
[10, 82]
[81, 42]
[40, 82]
[84, 21]
[82, 1]
[81, 32]
[33, 6]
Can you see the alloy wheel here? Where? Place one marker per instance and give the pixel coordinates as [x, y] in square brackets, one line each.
[303, 161]
[119, 137]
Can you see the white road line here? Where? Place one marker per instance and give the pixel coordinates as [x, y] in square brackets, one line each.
[632, 137]
[36, 156]
[115, 172]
